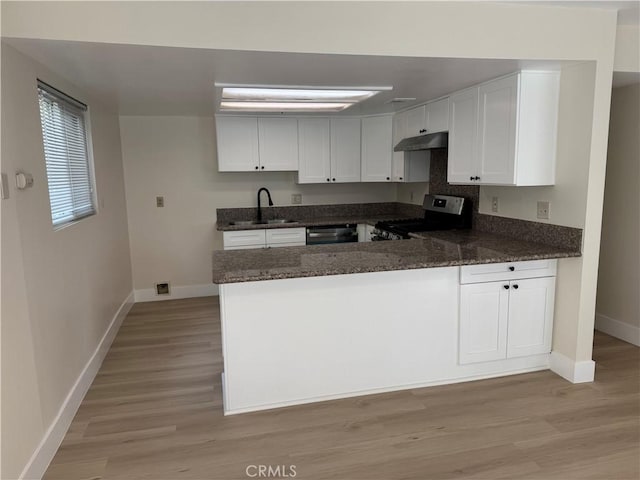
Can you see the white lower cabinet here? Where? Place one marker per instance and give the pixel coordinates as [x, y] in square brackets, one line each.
[506, 319]
[365, 232]
[243, 239]
[484, 312]
[288, 237]
[264, 238]
[530, 325]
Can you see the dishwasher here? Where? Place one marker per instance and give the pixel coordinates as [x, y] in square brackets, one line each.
[325, 234]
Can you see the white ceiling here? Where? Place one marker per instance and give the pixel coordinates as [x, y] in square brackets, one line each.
[628, 11]
[144, 80]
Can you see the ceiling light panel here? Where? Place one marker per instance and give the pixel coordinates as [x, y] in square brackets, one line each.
[295, 95]
[256, 98]
[267, 106]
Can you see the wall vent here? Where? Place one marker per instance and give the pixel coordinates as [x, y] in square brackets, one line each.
[163, 288]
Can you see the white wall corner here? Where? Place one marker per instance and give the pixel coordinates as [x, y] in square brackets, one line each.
[44, 453]
[616, 328]
[175, 293]
[569, 369]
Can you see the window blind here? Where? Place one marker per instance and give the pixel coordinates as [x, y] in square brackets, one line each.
[65, 150]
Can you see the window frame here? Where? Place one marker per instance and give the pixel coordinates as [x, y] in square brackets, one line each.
[84, 110]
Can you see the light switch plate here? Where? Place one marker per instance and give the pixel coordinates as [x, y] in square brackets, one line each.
[544, 211]
[4, 186]
[296, 198]
[159, 202]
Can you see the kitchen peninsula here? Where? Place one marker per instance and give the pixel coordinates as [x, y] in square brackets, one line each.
[305, 324]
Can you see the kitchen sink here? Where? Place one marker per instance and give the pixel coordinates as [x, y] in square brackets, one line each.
[245, 223]
[281, 220]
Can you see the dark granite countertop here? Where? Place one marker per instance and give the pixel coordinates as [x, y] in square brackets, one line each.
[310, 222]
[435, 249]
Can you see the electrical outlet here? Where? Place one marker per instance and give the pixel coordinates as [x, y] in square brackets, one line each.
[159, 202]
[162, 288]
[494, 204]
[544, 210]
[296, 198]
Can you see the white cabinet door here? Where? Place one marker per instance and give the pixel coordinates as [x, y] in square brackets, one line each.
[237, 139]
[484, 310]
[400, 127]
[244, 238]
[399, 132]
[437, 116]
[463, 123]
[286, 236]
[416, 121]
[398, 167]
[497, 117]
[507, 134]
[530, 316]
[345, 150]
[314, 144]
[376, 149]
[278, 144]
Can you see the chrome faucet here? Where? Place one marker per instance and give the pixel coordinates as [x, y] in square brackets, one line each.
[259, 207]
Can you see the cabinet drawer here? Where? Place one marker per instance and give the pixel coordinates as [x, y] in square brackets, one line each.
[244, 238]
[287, 235]
[494, 272]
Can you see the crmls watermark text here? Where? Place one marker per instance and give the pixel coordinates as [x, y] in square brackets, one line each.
[271, 471]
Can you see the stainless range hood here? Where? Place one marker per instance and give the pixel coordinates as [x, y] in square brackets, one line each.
[423, 142]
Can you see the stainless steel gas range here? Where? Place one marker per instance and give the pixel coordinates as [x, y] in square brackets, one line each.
[441, 212]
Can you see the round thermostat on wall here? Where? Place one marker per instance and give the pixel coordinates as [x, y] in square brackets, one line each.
[24, 180]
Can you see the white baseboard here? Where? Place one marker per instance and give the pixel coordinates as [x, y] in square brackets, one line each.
[54, 435]
[618, 329]
[376, 391]
[575, 372]
[186, 291]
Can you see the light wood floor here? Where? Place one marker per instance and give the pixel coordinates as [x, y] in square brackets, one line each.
[154, 412]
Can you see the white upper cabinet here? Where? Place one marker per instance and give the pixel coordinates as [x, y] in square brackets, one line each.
[329, 150]
[497, 130]
[463, 128]
[416, 122]
[504, 132]
[314, 143]
[399, 132]
[377, 149]
[430, 118]
[437, 116]
[278, 144]
[247, 143]
[237, 144]
[345, 150]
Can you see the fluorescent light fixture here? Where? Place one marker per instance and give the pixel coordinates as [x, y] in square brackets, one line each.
[229, 106]
[295, 95]
[258, 98]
